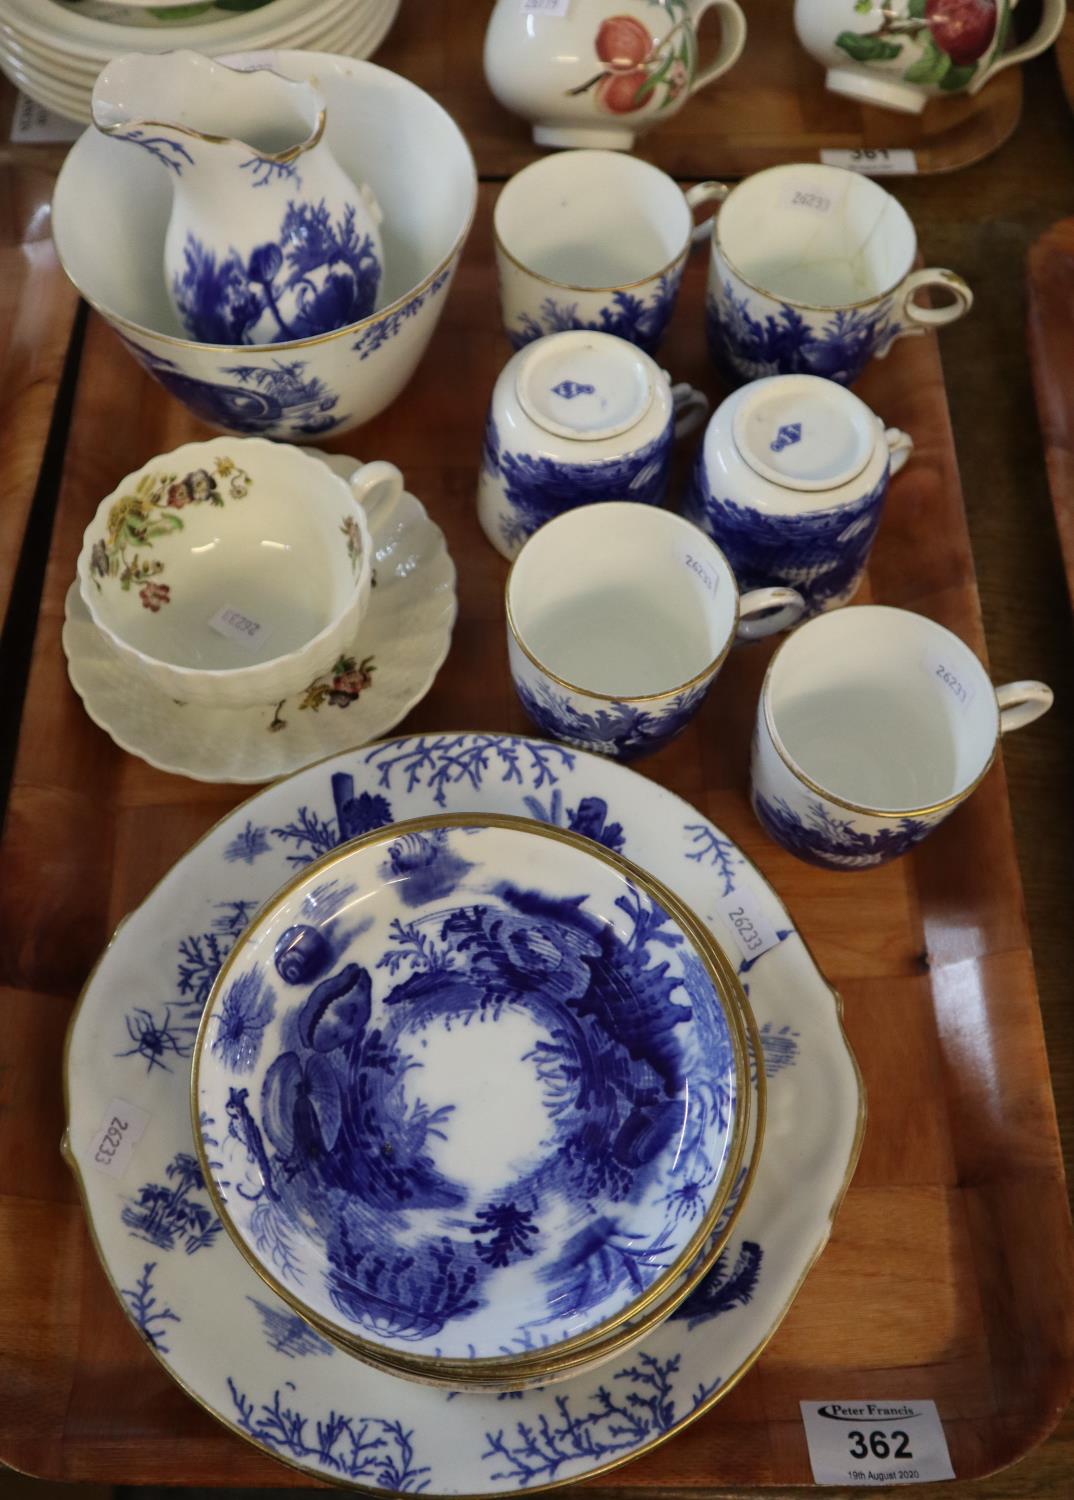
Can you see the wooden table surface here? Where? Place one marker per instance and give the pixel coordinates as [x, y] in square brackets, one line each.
[979, 222]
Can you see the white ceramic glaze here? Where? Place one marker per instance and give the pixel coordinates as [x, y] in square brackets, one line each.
[378, 677]
[811, 271]
[619, 618]
[901, 55]
[384, 131]
[232, 572]
[875, 724]
[790, 482]
[600, 72]
[593, 239]
[268, 239]
[237, 1348]
[577, 418]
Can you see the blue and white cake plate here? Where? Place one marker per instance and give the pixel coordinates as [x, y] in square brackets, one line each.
[400, 646]
[240, 1350]
[488, 1051]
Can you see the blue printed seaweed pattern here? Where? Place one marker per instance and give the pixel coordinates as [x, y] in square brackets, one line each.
[624, 730]
[536, 488]
[820, 838]
[638, 319]
[319, 274]
[820, 553]
[744, 347]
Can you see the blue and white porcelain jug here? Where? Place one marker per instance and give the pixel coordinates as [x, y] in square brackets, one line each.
[269, 239]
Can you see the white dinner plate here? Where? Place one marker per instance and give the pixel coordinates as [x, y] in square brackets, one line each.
[239, 1350]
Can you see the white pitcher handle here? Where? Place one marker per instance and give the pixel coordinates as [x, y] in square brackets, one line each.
[691, 408]
[1021, 703]
[705, 192]
[788, 603]
[1053, 14]
[900, 446]
[376, 486]
[916, 319]
[732, 39]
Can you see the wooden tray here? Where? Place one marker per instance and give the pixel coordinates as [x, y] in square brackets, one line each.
[950, 1273]
[771, 107]
[1050, 318]
[1064, 55]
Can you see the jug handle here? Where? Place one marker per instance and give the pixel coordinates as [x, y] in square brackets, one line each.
[1052, 15]
[732, 38]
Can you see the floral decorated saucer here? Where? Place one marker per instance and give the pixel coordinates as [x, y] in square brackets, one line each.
[235, 1346]
[400, 647]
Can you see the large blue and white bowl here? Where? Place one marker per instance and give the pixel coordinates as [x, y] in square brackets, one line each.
[464, 1063]
[110, 212]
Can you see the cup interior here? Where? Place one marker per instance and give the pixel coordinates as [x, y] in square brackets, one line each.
[882, 708]
[622, 600]
[816, 236]
[593, 219]
[216, 558]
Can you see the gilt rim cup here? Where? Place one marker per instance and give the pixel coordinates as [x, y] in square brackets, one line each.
[733, 1005]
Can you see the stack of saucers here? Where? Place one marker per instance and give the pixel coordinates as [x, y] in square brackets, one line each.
[53, 49]
[451, 1087]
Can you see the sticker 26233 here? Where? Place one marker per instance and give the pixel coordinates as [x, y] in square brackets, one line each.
[120, 1131]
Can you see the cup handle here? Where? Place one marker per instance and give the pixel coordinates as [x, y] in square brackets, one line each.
[922, 319]
[376, 486]
[788, 602]
[691, 408]
[1053, 14]
[705, 192]
[1021, 703]
[732, 39]
[900, 447]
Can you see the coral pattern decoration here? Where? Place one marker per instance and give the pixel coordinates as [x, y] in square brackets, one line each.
[171, 1214]
[821, 838]
[640, 319]
[319, 274]
[820, 553]
[280, 399]
[746, 344]
[334, 1138]
[152, 513]
[624, 730]
[639, 69]
[535, 488]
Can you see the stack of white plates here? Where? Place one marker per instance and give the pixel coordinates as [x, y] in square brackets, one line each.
[53, 49]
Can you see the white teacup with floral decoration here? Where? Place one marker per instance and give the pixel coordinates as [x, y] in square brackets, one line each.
[874, 725]
[232, 572]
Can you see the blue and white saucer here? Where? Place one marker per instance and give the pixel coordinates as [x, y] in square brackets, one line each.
[239, 1349]
[467, 1063]
[393, 663]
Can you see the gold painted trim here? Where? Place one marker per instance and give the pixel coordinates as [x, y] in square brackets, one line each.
[948, 803]
[229, 140]
[794, 301]
[569, 286]
[723, 978]
[328, 1479]
[118, 321]
[572, 687]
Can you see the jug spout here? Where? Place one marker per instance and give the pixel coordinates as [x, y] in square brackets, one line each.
[174, 104]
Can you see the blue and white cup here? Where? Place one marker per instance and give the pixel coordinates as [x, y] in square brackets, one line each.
[577, 418]
[790, 482]
[619, 618]
[811, 272]
[874, 724]
[595, 240]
